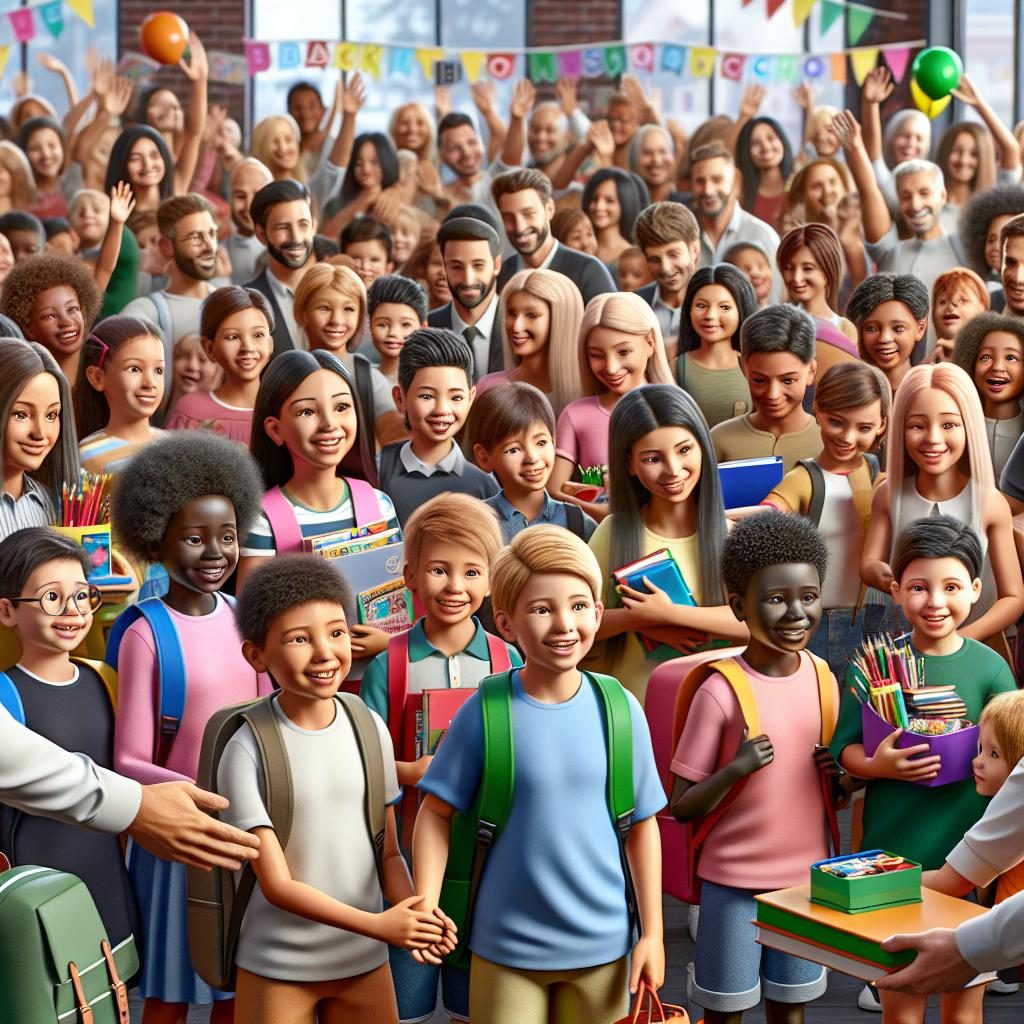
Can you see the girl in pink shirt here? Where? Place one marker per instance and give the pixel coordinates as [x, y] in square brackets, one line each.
[183, 500]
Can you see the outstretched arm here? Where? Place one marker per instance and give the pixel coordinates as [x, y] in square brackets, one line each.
[878, 87]
[873, 210]
[484, 99]
[122, 202]
[1009, 151]
[197, 70]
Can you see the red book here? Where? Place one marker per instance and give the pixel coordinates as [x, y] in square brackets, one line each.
[439, 708]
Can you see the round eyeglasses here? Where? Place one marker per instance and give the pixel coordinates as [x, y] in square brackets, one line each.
[54, 603]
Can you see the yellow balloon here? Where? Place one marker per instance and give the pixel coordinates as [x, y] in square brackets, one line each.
[929, 107]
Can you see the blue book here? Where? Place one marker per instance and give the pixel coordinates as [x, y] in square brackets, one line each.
[749, 481]
[661, 569]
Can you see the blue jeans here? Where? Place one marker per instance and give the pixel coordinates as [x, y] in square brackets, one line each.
[840, 634]
[416, 987]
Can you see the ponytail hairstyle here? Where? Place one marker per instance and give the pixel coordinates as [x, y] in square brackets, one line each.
[282, 376]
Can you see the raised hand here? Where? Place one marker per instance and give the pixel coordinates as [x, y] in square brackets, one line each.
[846, 128]
[428, 179]
[483, 96]
[20, 84]
[804, 95]
[750, 104]
[635, 91]
[103, 78]
[878, 86]
[353, 94]
[196, 68]
[568, 98]
[122, 202]
[50, 62]
[442, 100]
[967, 91]
[524, 95]
[600, 137]
[118, 96]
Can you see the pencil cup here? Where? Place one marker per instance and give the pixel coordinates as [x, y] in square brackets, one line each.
[96, 542]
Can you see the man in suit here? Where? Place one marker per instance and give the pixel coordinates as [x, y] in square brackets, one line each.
[669, 236]
[469, 248]
[523, 198]
[283, 219]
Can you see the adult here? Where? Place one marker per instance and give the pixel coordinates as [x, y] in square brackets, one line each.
[723, 222]
[652, 156]
[306, 106]
[244, 249]
[462, 150]
[612, 200]
[1011, 244]
[188, 239]
[472, 263]
[283, 220]
[524, 200]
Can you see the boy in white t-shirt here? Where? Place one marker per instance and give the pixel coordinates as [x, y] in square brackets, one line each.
[313, 942]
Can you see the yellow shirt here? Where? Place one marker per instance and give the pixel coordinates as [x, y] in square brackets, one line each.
[739, 439]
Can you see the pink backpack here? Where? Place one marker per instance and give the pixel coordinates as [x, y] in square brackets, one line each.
[285, 524]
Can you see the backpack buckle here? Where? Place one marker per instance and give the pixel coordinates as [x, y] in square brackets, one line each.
[485, 831]
[624, 823]
[117, 987]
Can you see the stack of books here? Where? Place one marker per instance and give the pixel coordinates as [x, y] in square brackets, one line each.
[661, 570]
[934, 702]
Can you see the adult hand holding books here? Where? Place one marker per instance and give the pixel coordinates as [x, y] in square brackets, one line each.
[938, 966]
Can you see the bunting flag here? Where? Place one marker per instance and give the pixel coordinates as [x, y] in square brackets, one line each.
[814, 67]
[673, 58]
[786, 69]
[615, 61]
[863, 62]
[542, 67]
[400, 61]
[83, 8]
[897, 61]
[702, 62]
[23, 24]
[857, 21]
[346, 58]
[593, 62]
[501, 66]
[773, 7]
[289, 56]
[53, 17]
[257, 57]
[371, 59]
[732, 66]
[830, 11]
[839, 68]
[802, 11]
[317, 54]
[761, 69]
[641, 57]
[570, 64]
[472, 62]
[746, 3]
[427, 58]
[5, 53]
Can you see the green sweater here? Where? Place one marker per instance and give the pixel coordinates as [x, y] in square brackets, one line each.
[925, 822]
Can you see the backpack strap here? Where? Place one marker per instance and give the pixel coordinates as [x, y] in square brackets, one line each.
[363, 370]
[497, 652]
[11, 700]
[365, 506]
[574, 519]
[284, 524]
[107, 674]
[681, 370]
[398, 689]
[817, 502]
[372, 755]
[827, 706]
[170, 663]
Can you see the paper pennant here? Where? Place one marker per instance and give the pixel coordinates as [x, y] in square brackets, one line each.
[802, 11]
[501, 66]
[862, 61]
[427, 57]
[371, 60]
[814, 67]
[593, 62]
[746, 3]
[257, 57]
[702, 62]
[761, 68]
[614, 61]
[400, 61]
[5, 53]
[23, 24]
[773, 7]
[346, 57]
[857, 21]
[732, 66]
[829, 12]
[839, 68]
[447, 72]
[673, 58]
[570, 63]
[53, 17]
[542, 67]
[317, 54]
[83, 8]
[641, 57]
[288, 56]
[786, 68]
[472, 62]
[897, 61]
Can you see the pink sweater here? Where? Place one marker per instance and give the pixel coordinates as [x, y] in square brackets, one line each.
[217, 676]
[582, 432]
[202, 410]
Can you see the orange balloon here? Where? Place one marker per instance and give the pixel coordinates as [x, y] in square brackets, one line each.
[164, 37]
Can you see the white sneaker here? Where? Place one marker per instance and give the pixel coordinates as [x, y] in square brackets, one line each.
[1003, 988]
[867, 1000]
[692, 918]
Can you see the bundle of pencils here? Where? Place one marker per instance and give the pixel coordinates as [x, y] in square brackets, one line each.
[86, 502]
[881, 670]
[592, 475]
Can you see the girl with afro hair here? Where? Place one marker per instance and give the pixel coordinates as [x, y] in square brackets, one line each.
[184, 500]
[54, 300]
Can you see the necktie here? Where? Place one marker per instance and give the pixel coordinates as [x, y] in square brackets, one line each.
[470, 333]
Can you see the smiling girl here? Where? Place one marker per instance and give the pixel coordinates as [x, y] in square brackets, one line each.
[810, 259]
[237, 326]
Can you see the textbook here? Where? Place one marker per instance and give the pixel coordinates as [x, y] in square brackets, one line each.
[439, 708]
[749, 481]
[663, 572]
[387, 606]
[787, 920]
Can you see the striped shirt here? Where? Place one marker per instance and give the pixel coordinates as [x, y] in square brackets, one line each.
[103, 453]
[260, 541]
[34, 508]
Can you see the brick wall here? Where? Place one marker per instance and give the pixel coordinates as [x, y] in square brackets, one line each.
[557, 23]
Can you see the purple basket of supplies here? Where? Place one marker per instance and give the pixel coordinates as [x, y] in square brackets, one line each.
[957, 749]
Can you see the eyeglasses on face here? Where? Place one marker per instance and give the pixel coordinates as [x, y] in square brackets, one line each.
[53, 603]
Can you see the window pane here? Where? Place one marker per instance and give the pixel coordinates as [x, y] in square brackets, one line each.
[389, 21]
[988, 54]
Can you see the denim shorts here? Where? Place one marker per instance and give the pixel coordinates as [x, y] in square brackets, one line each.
[416, 988]
[730, 971]
[839, 633]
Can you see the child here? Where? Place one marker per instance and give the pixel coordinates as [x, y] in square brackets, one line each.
[620, 348]
[633, 272]
[777, 358]
[512, 427]
[397, 307]
[237, 326]
[192, 369]
[49, 605]
[851, 405]
[330, 306]
[938, 462]
[958, 295]
[990, 347]
[368, 241]
[183, 501]
[312, 942]
[773, 567]
[37, 435]
[810, 260]
[120, 388]
[433, 393]
[538, 957]
[753, 261]
[936, 568]
[61, 237]
[54, 300]
[718, 299]
[25, 233]
[665, 494]
[890, 312]
[449, 545]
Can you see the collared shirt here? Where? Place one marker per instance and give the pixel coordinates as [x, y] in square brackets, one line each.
[453, 462]
[482, 342]
[285, 298]
[33, 508]
[926, 259]
[511, 521]
[743, 227]
[668, 317]
[248, 256]
[550, 256]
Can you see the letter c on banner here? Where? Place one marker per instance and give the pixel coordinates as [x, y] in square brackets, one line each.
[761, 68]
[814, 67]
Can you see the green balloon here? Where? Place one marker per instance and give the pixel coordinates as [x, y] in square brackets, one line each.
[937, 71]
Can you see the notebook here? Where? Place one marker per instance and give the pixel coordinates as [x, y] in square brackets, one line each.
[749, 481]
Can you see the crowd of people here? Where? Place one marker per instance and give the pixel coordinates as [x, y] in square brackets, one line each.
[519, 343]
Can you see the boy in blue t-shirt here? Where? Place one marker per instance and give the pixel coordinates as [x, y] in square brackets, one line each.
[551, 939]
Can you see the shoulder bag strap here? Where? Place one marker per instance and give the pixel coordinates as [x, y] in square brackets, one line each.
[284, 524]
[373, 766]
[497, 652]
[11, 699]
[365, 507]
[398, 690]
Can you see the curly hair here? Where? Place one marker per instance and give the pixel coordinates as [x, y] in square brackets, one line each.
[979, 211]
[770, 538]
[286, 582]
[174, 470]
[30, 278]
[973, 333]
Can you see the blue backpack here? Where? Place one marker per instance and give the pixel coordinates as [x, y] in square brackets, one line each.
[170, 661]
[11, 699]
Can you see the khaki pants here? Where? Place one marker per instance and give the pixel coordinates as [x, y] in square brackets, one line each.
[587, 995]
[365, 997]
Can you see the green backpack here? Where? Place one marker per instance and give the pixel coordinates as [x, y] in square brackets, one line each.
[56, 964]
[472, 835]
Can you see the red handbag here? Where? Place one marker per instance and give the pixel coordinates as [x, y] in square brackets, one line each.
[649, 1009]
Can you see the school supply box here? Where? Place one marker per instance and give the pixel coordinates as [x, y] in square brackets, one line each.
[855, 883]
